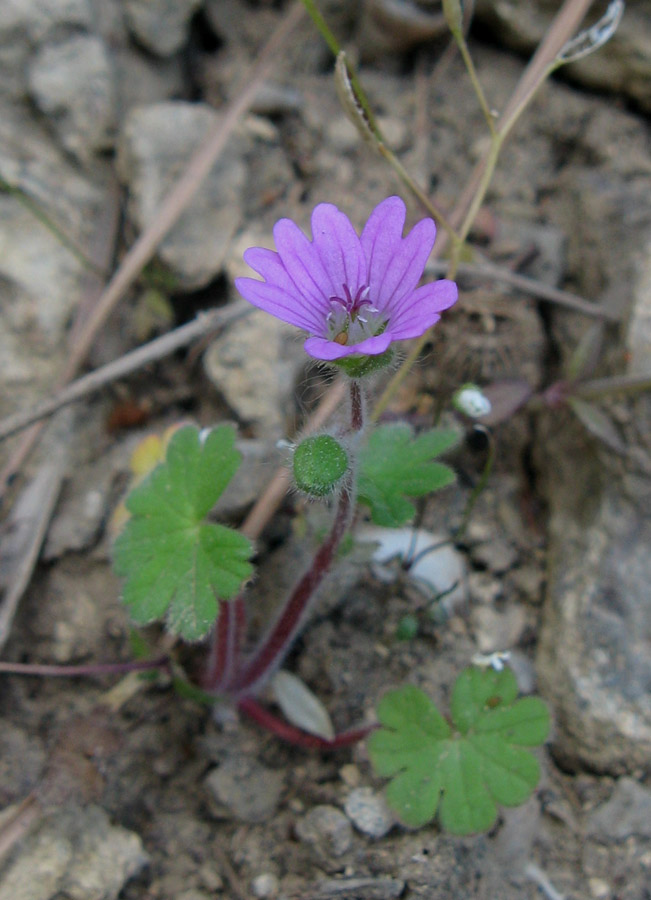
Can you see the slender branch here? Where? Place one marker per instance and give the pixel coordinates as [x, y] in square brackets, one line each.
[616, 384]
[181, 195]
[125, 365]
[416, 190]
[174, 204]
[563, 27]
[527, 285]
[474, 78]
[49, 671]
[335, 49]
[462, 217]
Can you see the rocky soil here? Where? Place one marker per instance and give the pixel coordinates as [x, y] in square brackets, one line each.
[102, 105]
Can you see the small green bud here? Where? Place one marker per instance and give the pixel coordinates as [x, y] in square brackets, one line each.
[320, 462]
[453, 16]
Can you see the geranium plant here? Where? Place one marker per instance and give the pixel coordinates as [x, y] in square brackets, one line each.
[355, 296]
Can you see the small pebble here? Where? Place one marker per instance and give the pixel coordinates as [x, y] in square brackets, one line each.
[265, 885]
[210, 877]
[497, 556]
[369, 812]
[599, 889]
[483, 587]
[529, 581]
[327, 829]
[350, 775]
[498, 630]
[626, 813]
[245, 790]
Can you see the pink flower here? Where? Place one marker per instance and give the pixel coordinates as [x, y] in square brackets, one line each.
[353, 295]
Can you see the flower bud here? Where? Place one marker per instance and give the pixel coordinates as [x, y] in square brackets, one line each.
[320, 463]
[470, 401]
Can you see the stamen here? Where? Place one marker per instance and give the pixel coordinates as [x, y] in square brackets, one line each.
[345, 321]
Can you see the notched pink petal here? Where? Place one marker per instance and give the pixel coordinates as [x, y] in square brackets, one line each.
[279, 303]
[339, 249]
[422, 309]
[437, 295]
[381, 236]
[302, 263]
[303, 276]
[405, 268]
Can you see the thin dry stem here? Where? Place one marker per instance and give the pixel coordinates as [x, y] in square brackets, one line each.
[154, 350]
[175, 203]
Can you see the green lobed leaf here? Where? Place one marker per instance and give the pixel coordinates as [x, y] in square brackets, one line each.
[463, 775]
[175, 564]
[395, 465]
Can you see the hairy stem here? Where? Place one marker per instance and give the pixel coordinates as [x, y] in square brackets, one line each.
[274, 645]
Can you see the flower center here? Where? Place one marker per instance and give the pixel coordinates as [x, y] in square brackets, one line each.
[353, 319]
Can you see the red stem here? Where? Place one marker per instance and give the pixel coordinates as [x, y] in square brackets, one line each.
[224, 646]
[271, 649]
[356, 406]
[225, 673]
[296, 736]
[273, 646]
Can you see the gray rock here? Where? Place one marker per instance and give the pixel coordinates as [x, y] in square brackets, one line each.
[389, 27]
[21, 762]
[160, 25]
[245, 790]
[156, 143]
[41, 281]
[142, 81]
[359, 888]
[259, 460]
[622, 65]
[628, 812]
[81, 602]
[36, 18]
[26, 24]
[327, 830]
[77, 854]
[497, 556]
[594, 659]
[369, 812]
[639, 327]
[72, 83]
[239, 361]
